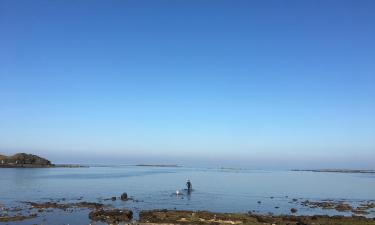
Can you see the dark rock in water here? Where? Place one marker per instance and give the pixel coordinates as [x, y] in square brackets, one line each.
[17, 217]
[293, 210]
[55, 205]
[358, 211]
[24, 160]
[363, 208]
[113, 198]
[341, 207]
[259, 202]
[111, 216]
[330, 204]
[90, 205]
[124, 196]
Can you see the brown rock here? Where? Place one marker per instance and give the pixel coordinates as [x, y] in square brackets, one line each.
[111, 216]
[341, 207]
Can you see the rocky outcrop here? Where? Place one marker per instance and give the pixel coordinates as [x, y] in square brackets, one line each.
[111, 216]
[124, 196]
[174, 217]
[24, 160]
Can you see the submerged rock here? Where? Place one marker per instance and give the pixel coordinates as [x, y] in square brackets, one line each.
[293, 210]
[65, 206]
[111, 216]
[18, 217]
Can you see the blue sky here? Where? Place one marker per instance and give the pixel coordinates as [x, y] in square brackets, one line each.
[250, 83]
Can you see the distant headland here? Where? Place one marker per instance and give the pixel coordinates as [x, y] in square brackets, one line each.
[24, 160]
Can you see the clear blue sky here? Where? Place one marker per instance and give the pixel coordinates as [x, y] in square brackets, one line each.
[254, 83]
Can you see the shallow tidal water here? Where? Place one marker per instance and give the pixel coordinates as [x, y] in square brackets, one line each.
[219, 190]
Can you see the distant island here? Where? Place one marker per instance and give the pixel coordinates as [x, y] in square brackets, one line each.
[337, 171]
[24, 160]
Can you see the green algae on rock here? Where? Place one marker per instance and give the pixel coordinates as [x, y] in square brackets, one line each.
[204, 217]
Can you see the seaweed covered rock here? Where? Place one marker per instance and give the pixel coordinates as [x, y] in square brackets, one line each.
[111, 216]
[213, 218]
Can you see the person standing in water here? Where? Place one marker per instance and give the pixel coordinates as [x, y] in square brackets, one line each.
[189, 185]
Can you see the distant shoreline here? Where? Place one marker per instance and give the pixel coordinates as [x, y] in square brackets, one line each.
[335, 171]
[43, 166]
[158, 165]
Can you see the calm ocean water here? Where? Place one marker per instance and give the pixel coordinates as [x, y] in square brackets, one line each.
[221, 190]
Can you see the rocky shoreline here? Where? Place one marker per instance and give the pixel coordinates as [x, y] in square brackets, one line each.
[173, 217]
[204, 217]
[107, 213]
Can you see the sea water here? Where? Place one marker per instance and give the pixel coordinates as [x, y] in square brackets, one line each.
[219, 190]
